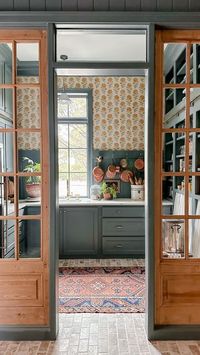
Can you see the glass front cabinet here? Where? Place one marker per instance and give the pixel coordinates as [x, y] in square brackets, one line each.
[177, 177]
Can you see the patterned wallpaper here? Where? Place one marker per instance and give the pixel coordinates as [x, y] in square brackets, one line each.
[118, 110]
[28, 113]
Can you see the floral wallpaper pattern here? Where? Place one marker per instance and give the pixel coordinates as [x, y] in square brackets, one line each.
[28, 113]
[118, 110]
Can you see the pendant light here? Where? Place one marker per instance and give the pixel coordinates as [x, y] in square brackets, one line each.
[63, 97]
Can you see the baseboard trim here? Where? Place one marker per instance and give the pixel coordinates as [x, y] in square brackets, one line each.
[16, 333]
[175, 332]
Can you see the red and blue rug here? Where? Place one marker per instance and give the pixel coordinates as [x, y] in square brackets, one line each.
[101, 290]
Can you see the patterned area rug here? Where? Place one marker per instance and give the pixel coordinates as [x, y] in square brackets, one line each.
[101, 290]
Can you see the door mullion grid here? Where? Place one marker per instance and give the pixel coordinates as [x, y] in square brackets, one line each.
[161, 107]
[187, 125]
[69, 167]
[185, 130]
[15, 163]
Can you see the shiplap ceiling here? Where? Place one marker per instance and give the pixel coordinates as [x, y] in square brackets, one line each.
[100, 5]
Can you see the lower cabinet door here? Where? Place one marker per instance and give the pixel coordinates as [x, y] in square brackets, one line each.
[78, 231]
[124, 246]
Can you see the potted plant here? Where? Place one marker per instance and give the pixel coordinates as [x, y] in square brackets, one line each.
[33, 183]
[109, 192]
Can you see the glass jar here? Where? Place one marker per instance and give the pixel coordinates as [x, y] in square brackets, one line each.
[95, 192]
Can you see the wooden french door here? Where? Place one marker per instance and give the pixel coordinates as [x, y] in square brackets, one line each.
[24, 254]
[177, 177]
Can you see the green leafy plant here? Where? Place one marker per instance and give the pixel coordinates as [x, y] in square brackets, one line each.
[108, 189]
[31, 167]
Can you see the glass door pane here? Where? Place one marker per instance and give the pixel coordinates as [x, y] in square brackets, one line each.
[27, 62]
[6, 52]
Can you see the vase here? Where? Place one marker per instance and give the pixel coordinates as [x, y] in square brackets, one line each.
[33, 190]
[137, 192]
[107, 196]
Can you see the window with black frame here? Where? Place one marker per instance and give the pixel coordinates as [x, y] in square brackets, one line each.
[73, 143]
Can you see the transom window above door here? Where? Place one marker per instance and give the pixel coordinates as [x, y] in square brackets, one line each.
[73, 143]
[100, 45]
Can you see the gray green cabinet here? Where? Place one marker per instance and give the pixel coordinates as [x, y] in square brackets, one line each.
[123, 232]
[121, 246]
[29, 234]
[7, 238]
[78, 231]
[101, 231]
[31, 231]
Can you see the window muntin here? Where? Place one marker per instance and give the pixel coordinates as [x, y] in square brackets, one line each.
[72, 106]
[73, 144]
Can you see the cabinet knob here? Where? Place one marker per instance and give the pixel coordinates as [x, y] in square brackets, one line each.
[119, 227]
[119, 246]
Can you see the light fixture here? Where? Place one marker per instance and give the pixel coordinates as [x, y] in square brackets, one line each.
[63, 57]
[63, 97]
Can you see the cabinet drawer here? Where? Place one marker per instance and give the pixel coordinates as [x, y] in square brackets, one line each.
[167, 210]
[123, 246]
[136, 211]
[123, 226]
[32, 210]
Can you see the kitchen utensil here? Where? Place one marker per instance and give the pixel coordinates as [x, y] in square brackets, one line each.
[99, 159]
[131, 180]
[123, 163]
[98, 173]
[139, 164]
[117, 169]
[111, 171]
[98, 178]
[125, 175]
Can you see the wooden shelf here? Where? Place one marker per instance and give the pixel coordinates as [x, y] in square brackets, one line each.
[182, 71]
[181, 137]
[169, 96]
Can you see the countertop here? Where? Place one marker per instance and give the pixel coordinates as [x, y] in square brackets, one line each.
[22, 204]
[82, 202]
[115, 202]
